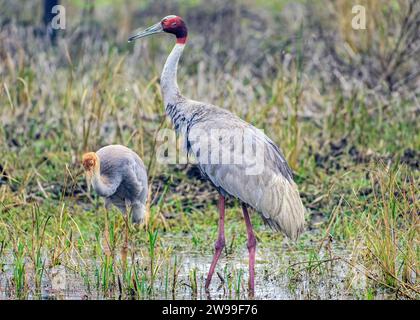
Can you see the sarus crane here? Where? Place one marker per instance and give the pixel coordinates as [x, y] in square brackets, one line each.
[271, 191]
[118, 174]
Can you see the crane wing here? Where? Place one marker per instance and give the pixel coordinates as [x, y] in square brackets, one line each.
[242, 161]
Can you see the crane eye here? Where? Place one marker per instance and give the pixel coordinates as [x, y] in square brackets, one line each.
[173, 24]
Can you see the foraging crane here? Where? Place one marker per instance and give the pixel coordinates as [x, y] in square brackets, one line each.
[118, 174]
[270, 190]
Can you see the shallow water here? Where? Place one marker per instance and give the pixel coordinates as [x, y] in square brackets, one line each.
[280, 274]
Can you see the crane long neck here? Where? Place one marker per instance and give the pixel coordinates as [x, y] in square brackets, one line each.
[169, 82]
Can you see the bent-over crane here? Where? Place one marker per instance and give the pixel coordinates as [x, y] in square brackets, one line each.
[118, 174]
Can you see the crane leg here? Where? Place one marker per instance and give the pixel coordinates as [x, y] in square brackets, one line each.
[220, 243]
[252, 246]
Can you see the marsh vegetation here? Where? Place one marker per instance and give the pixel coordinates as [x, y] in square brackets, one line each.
[343, 104]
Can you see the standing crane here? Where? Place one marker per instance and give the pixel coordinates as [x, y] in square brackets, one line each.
[271, 191]
[118, 174]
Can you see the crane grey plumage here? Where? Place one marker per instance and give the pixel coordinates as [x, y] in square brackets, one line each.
[118, 174]
[271, 192]
[277, 199]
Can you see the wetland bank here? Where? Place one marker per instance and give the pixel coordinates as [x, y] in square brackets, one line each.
[342, 104]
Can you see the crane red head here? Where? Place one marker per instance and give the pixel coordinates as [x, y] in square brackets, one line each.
[91, 165]
[170, 24]
[90, 162]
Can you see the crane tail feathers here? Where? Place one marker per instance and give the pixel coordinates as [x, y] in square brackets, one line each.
[284, 210]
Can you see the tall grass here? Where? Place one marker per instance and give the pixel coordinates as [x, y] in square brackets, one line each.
[393, 235]
[351, 141]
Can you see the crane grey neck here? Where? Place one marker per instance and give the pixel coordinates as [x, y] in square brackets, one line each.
[169, 84]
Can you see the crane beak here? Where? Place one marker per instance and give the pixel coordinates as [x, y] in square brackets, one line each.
[137, 34]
